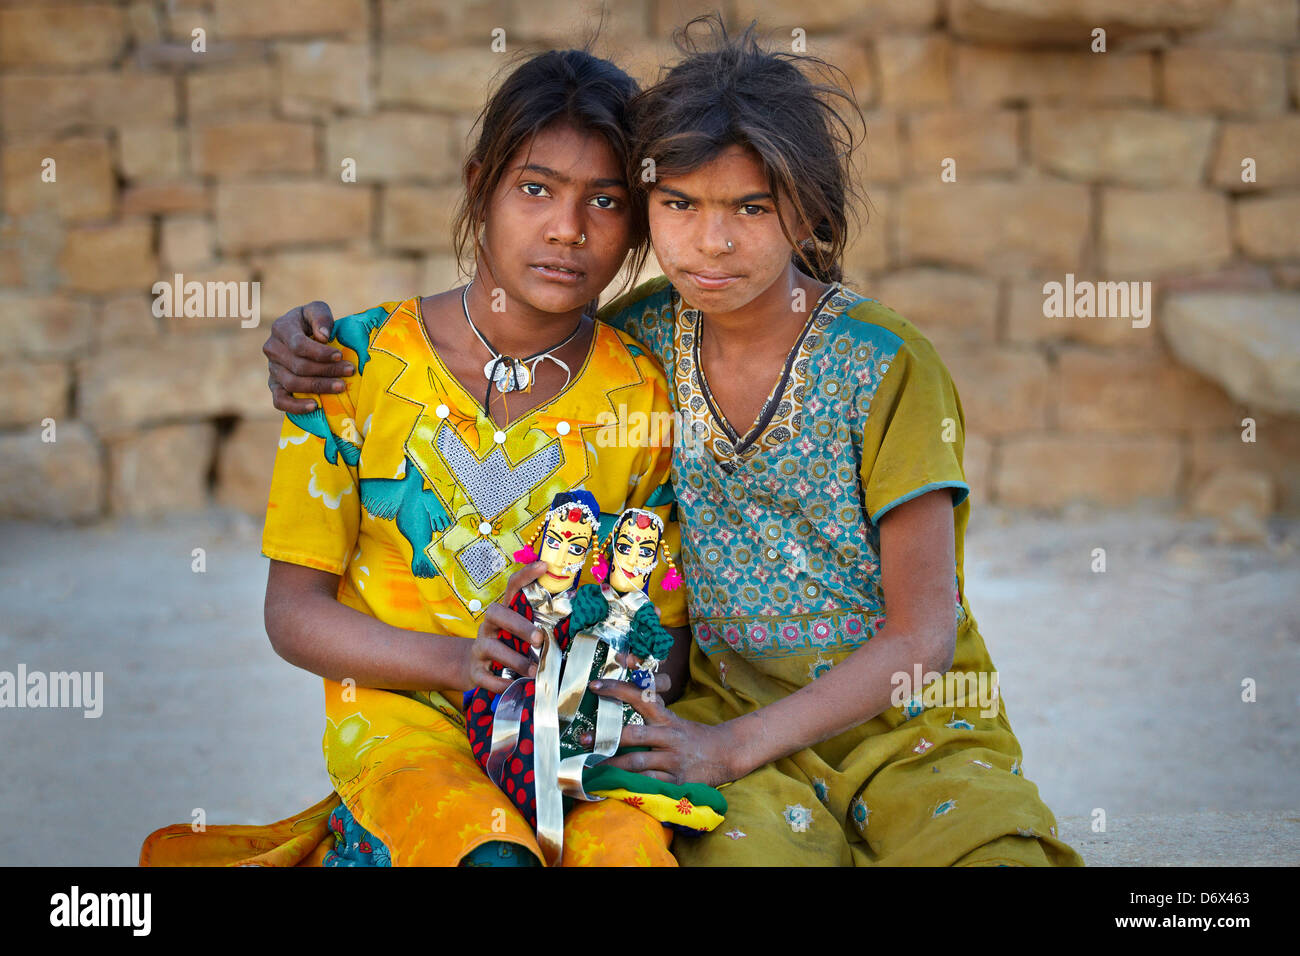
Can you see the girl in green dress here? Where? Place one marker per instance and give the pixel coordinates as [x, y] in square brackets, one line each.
[821, 493]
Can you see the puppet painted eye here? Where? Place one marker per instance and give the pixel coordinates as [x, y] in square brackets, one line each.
[647, 552]
[623, 548]
[578, 549]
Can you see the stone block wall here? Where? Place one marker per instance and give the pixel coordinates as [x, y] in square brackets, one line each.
[1005, 150]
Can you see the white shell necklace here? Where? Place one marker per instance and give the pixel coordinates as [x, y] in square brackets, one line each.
[511, 374]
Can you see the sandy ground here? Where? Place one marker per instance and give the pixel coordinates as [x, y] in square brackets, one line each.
[1124, 687]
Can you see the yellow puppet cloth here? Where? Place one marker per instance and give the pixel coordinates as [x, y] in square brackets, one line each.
[403, 487]
[692, 807]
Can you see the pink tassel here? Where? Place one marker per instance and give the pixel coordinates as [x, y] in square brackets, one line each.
[672, 580]
[526, 555]
[600, 570]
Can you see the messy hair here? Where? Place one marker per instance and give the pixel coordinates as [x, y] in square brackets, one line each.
[558, 86]
[727, 90]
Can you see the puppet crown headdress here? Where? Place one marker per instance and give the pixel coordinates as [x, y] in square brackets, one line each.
[573, 505]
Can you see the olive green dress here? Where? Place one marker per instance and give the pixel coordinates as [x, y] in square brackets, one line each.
[781, 556]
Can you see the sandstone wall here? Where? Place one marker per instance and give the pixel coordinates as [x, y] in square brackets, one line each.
[225, 164]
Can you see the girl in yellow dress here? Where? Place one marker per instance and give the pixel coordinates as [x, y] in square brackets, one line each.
[396, 502]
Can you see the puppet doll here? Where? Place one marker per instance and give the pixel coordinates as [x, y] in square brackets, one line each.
[502, 730]
[626, 623]
[529, 739]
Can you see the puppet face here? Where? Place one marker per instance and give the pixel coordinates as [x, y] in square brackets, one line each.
[565, 544]
[636, 552]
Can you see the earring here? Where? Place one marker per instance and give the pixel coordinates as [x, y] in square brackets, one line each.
[526, 554]
[600, 570]
[672, 580]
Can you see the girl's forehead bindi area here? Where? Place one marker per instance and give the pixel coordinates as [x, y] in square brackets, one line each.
[568, 153]
[735, 168]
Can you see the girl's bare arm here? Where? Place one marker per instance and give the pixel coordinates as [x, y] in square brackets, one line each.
[677, 667]
[917, 564]
[917, 567]
[309, 628]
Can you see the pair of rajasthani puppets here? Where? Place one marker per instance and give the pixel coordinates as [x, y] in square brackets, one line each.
[529, 738]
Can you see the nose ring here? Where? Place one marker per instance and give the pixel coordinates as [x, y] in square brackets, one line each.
[730, 247]
[583, 240]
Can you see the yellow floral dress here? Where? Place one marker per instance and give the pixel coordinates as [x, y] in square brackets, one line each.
[781, 557]
[403, 487]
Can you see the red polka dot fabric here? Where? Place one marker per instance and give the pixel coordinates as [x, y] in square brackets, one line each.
[517, 778]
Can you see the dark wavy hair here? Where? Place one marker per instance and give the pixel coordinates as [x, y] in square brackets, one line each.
[558, 86]
[727, 90]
